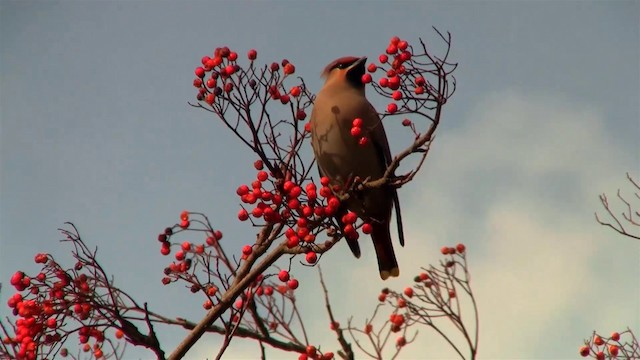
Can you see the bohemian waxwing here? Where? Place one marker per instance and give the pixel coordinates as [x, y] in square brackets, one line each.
[340, 157]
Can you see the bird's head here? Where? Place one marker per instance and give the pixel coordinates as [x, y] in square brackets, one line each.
[347, 69]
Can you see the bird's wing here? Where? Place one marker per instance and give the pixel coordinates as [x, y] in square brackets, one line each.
[342, 210]
[381, 144]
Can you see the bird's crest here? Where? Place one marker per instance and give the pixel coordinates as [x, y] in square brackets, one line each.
[345, 61]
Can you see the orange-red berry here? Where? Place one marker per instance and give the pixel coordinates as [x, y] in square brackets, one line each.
[460, 248]
[252, 54]
[408, 292]
[615, 336]
[289, 69]
[392, 108]
[598, 340]
[401, 341]
[613, 350]
[311, 257]
[293, 284]
[247, 250]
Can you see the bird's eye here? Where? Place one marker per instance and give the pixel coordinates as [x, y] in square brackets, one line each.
[341, 66]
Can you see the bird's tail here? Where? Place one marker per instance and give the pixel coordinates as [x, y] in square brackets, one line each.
[387, 263]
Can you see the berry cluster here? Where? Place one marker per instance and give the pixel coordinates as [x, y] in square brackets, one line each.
[221, 74]
[356, 132]
[53, 298]
[601, 347]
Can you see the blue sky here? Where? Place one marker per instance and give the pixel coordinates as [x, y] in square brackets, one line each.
[95, 129]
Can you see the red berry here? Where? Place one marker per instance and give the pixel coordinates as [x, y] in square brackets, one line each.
[584, 351]
[247, 250]
[197, 82]
[186, 246]
[444, 250]
[307, 127]
[452, 294]
[284, 99]
[397, 95]
[368, 328]
[258, 165]
[293, 284]
[283, 275]
[394, 82]
[402, 45]
[460, 248]
[311, 350]
[394, 40]
[209, 99]
[165, 249]
[275, 66]
[613, 350]
[327, 356]
[392, 108]
[311, 257]
[384, 82]
[420, 81]
[233, 56]
[392, 49]
[405, 56]
[295, 91]
[229, 69]
[600, 355]
[401, 341]
[383, 59]
[252, 54]
[324, 181]
[382, 297]
[257, 212]
[301, 115]
[363, 141]
[357, 122]
[208, 304]
[406, 122]
[419, 90]
[409, 292]
[402, 303]
[200, 72]
[598, 340]
[350, 217]
[366, 78]
[289, 69]
[228, 87]
[262, 176]
[367, 228]
[243, 215]
[356, 131]
[615, 336]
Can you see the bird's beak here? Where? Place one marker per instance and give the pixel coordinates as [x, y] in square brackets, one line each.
[362, 60]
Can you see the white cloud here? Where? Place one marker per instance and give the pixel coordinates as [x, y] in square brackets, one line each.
[518, 183]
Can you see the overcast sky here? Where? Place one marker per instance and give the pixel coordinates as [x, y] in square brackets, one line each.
[95, 129]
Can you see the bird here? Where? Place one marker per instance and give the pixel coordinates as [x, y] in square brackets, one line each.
[341, 157]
